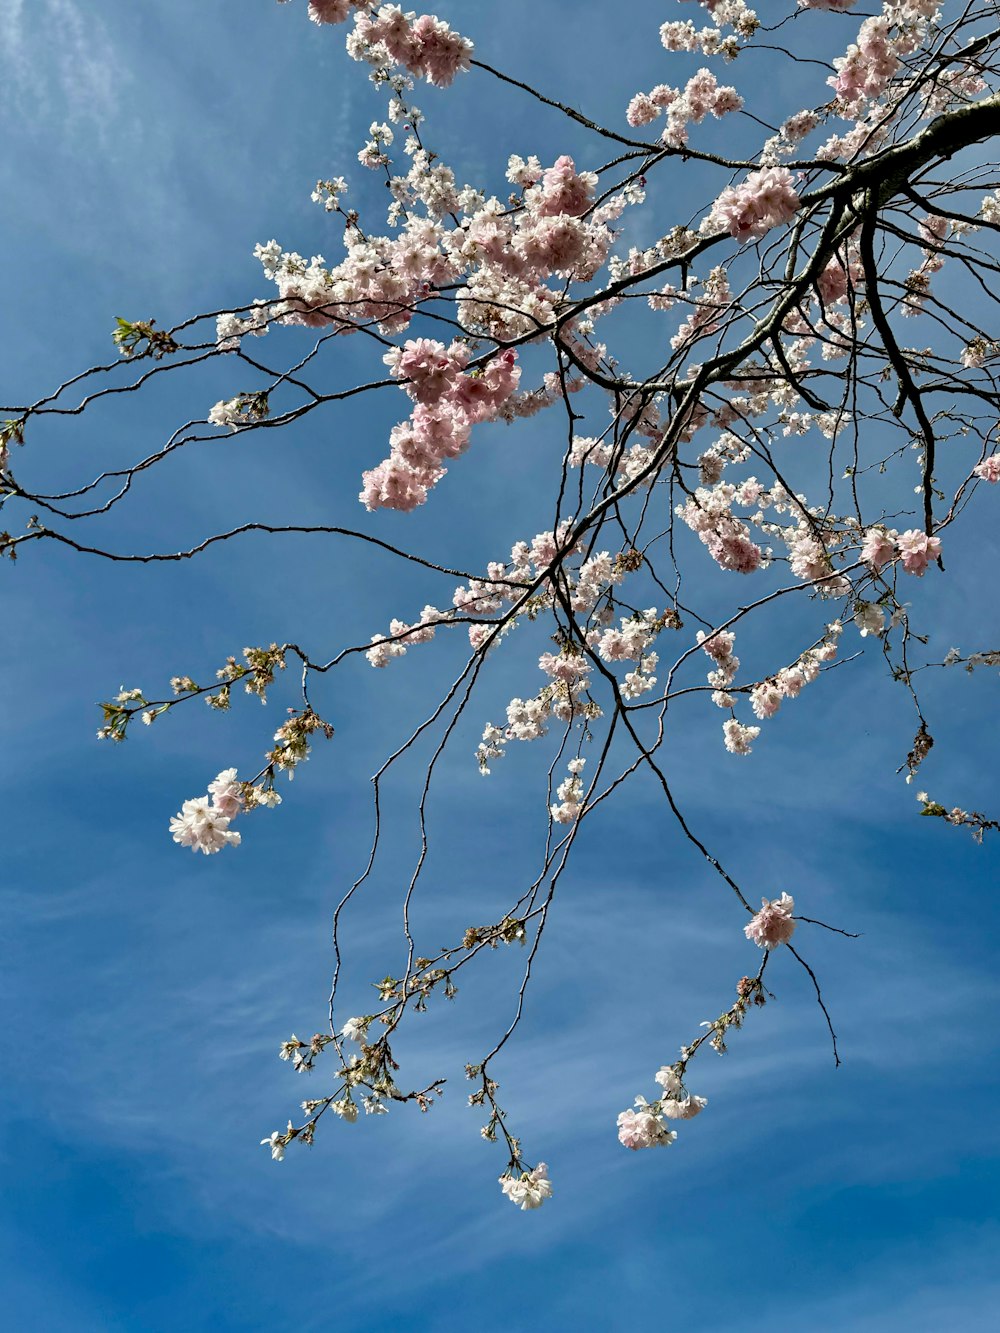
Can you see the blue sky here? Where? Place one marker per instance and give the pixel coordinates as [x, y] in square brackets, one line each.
[147, 991]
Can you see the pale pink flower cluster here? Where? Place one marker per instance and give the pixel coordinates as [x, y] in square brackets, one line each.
[879, 546]
[203, 823]
[719, 646]
[773, 924]
[865, 71]
[702, 96]
[676, 36]
[563, 190]
[382, 279]
[629, 641]
[914, 547]
[764, 200]
[424, 46]
[798, 126]
[402, 636]
[332, 11]
[733, 14]
[448, 404]
[918, 550]
[682, 1108]
[645, 107]
[976, 353]
[864, 139]
[530, 1189]
[836, 279]
[587, 449]
[737, 738]
[644, 1127]
[809, 558]
[508, 256]
[505, 259]
[768, 695]
[989, 469]
[728, 539]
[230, 328]
[526, 719]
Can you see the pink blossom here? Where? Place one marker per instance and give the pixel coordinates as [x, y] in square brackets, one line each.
[427, 47]
[989, 469]
[879, 547]
[392, 485]
[643, 1129]
[684, 1108]
[641, 110]
[735, 551]
[329, 11]
[918, 550]
[202, 827]
[441, 53]
[765, 699]
[773, 924]
[832, 283]
[226, 794]
[427, 365]
[865, 71]
[719, 645]
[563, 190]
[790, 681]
[738, 738]
[765, 199]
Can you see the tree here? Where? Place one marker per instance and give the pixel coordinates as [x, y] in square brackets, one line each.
[732, 398]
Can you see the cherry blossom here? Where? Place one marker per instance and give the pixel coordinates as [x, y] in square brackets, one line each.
[773, 924]
[765, 414]
[530, 1190]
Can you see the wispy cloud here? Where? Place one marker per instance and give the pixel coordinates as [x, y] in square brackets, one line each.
[61, 62]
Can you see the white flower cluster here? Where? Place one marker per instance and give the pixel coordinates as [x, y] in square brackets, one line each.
[203, 823]
[570, 793]
[328, 193]
[530, 1189]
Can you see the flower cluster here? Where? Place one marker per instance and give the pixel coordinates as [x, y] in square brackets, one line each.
[913, 548]
[740, 375]
[773, 924]
[244, 410]
[570, 794]
[989, 469]
[645, 1126]
[402, 636]
[709, 514]
[203, 823]
[748, 211]
[448, 403]
[424, 45]
[701, 96]
[528, 1190]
